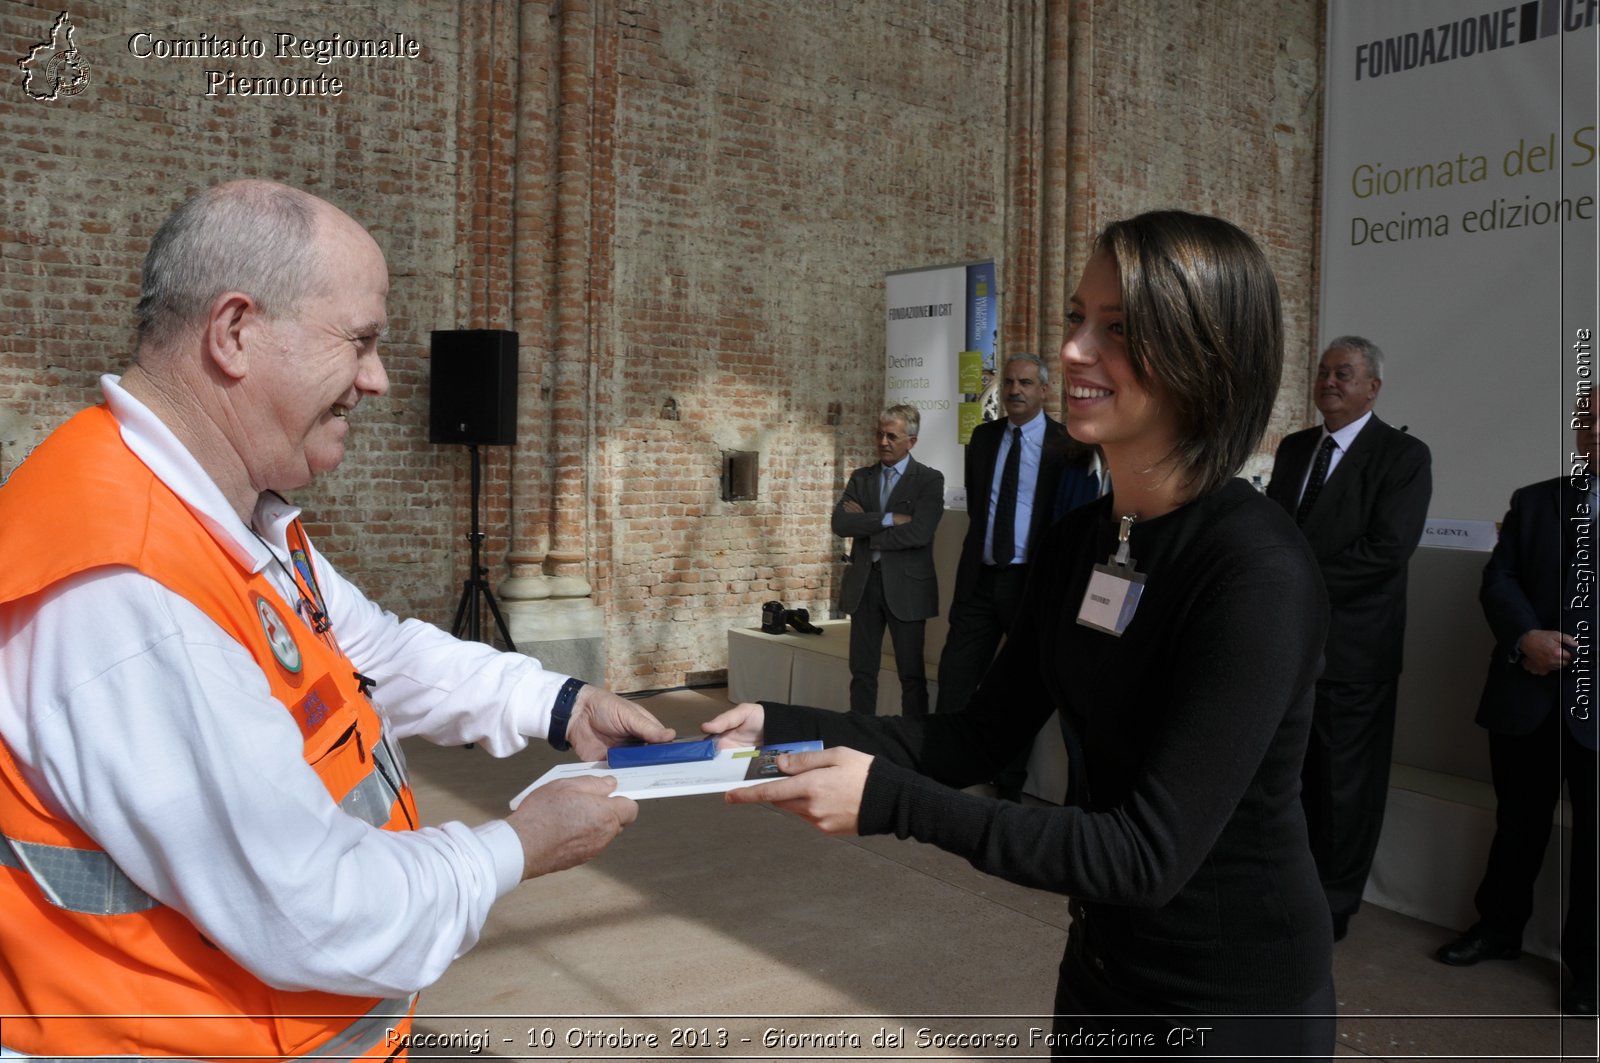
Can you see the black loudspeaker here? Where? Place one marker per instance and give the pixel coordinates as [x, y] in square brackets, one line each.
[473, 373]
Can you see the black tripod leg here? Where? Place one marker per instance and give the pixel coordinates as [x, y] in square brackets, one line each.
[500, 621]
[468, 613]
[461, 609]
[475, 570]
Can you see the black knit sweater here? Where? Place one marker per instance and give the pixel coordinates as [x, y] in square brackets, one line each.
[1182, 838]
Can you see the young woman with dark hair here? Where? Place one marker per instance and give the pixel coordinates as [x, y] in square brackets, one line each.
[1177, 624]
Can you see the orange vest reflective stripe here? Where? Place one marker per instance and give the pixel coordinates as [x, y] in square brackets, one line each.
[89, 964]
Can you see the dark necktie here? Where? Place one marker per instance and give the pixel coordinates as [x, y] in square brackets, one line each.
[1319, 474]
[1005, 507]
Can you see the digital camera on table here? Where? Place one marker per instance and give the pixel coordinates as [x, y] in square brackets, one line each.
[776, 620]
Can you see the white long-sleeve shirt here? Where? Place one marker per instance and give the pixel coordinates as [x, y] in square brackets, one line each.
[132, 713]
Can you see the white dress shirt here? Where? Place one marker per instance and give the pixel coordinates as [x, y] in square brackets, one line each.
[1027, 484]
[130, 711]
[898, 469]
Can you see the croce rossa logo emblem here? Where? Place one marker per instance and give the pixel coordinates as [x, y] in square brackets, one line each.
[278, 635]
[54, 68]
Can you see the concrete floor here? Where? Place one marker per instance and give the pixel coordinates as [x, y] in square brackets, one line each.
[743, 933]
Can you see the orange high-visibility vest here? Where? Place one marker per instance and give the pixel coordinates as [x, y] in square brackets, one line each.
[91, 965]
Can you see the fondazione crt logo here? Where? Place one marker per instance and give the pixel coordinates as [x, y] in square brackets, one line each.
[54, 69]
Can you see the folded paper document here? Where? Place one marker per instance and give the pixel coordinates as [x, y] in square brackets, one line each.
[729, 769]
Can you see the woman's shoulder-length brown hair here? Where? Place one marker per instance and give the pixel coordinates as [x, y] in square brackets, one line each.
[1203, 319]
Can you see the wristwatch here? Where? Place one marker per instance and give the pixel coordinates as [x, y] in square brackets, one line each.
[561, 714]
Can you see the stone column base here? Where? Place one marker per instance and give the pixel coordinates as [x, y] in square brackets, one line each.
[566, 634]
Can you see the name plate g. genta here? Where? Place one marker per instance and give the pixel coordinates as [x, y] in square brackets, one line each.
[1460, 534]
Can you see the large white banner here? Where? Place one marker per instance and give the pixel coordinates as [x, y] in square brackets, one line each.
[1459, 198]
[939, 319]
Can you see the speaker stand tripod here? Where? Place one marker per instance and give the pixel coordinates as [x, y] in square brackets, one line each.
[468, 614]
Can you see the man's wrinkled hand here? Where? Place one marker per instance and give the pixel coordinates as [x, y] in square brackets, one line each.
[1544, 652]
[601, 719]
[568, 822]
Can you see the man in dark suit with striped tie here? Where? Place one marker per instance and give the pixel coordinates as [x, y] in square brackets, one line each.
[891, 509]
[1017, 469]
[1359, 490]
[1012, 470]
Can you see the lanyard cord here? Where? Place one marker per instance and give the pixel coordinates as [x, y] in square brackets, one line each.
[311, 607]
[300, 554]
[313, 611]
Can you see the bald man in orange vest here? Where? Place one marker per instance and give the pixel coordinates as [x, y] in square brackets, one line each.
[208, 846]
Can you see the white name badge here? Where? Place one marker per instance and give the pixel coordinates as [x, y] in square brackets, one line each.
[1111, 598]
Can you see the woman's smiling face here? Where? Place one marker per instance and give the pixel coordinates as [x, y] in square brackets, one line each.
[1105, 402]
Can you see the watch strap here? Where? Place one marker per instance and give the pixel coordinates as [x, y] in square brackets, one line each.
[561, 713]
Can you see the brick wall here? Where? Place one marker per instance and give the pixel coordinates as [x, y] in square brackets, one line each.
[88, 179]
[1213, 107]
[693, 202]
[774, 161]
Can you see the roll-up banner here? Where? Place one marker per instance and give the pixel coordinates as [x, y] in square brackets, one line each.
[940, 351]
[1459, 198]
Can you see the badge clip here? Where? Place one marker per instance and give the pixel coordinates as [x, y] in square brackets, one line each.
[1115, 587]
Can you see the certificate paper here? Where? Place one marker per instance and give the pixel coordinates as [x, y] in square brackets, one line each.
[729, 770]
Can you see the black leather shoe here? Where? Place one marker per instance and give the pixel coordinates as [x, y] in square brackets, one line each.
[1579, 1000]
[1473, 947]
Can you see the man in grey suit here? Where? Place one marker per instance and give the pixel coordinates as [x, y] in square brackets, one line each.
[1359, 490]
[891, 509]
